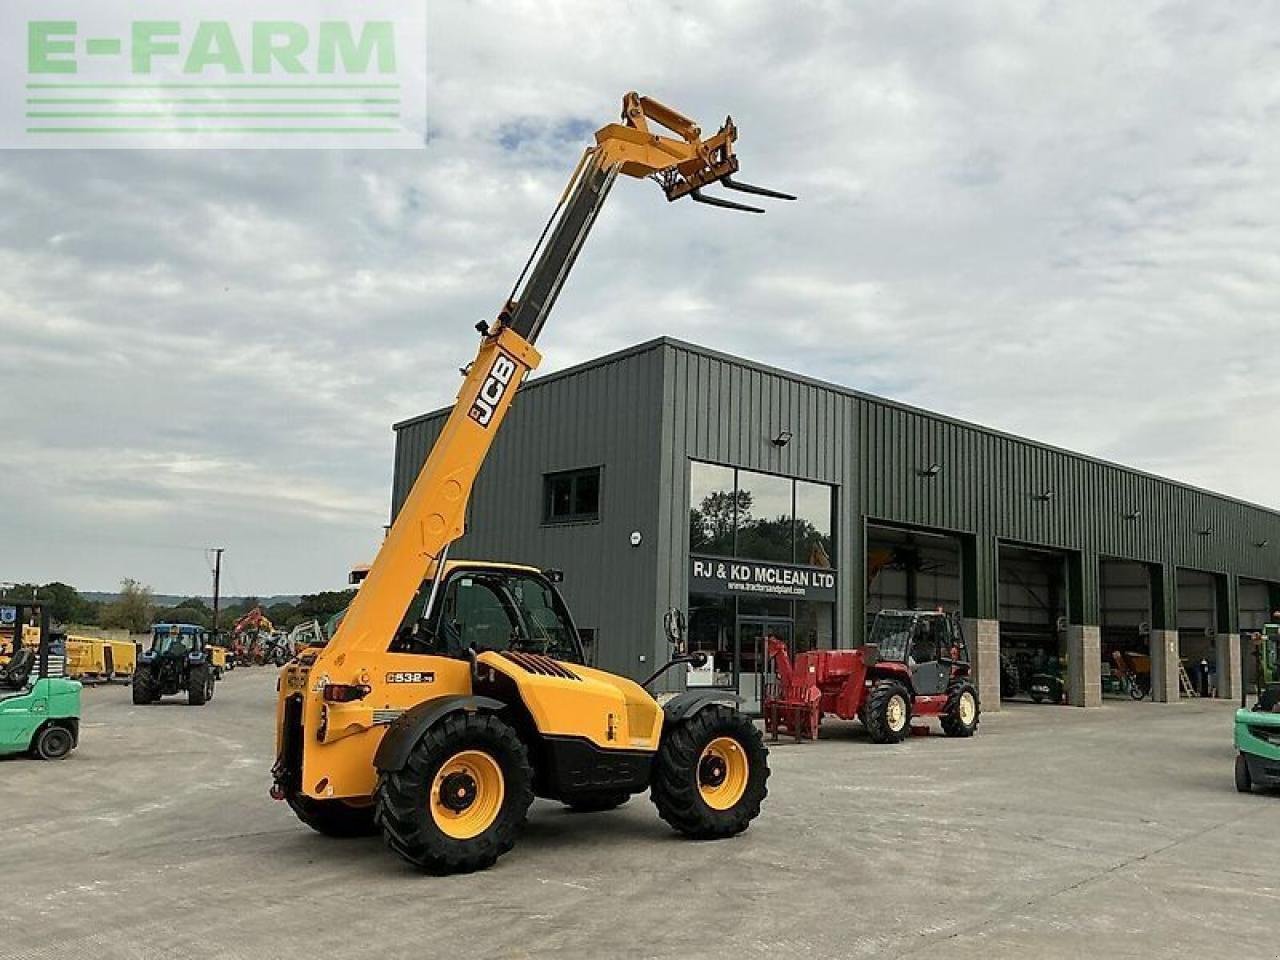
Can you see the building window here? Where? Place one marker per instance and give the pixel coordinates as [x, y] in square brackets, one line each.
[759, 516]
[712, 509]
[572, 496]
[766, 518]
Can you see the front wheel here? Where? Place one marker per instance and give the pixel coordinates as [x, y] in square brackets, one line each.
[1136, 690]
[53, 743]
[1244, 780]
[711, 774]
[143, 691]
[461, 797]
[888, 712]
[961, 715]
[199, 687]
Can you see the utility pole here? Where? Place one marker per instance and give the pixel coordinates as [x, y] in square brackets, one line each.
[217, 583]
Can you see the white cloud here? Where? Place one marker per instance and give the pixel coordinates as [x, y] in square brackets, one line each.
[1055, 219]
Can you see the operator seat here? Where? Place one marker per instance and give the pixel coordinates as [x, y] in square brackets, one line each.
[19, 668]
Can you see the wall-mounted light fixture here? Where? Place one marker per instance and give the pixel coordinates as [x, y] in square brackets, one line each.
[783, 438]
[932, 470]
[1205, 532]
[1044, 496]
[1134, 514]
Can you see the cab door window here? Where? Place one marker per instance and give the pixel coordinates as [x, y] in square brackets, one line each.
[477, 614]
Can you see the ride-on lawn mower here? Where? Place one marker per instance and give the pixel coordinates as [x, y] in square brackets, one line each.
[180, 658]
[39, 707]
[916, 664]
[437, 721]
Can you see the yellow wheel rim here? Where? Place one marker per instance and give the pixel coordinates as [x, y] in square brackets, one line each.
[896, 713]
[967, 708]
[722, 773]
[466, 794]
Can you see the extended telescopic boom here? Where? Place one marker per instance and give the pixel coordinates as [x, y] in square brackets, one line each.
[432, 515]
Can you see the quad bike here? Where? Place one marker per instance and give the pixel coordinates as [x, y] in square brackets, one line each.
[180, 659]
[915, 664]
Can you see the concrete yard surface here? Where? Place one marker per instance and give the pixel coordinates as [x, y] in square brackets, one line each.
[1054, 833]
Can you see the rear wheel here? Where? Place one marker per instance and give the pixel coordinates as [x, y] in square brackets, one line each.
[960, 718]
[1244, 781]
[596, 802]
[888, 712]
[334, 818]
[1008, 679]
[711, 773]
[143, 691]
[461, 797]
[53, 743]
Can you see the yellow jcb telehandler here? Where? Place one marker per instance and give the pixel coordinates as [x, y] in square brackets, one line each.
[454, 692]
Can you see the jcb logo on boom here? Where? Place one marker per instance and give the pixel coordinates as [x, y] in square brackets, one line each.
[492, 390]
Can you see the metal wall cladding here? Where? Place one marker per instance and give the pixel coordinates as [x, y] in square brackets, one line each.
[644, 412]
[606, 415]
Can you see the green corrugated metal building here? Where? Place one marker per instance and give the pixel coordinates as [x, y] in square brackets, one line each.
[762, 501]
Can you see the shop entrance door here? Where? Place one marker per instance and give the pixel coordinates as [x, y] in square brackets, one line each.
[750, 655]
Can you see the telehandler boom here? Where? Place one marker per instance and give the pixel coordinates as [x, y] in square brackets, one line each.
[437, 719]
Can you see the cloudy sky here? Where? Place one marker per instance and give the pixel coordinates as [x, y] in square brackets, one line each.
[1061, 220]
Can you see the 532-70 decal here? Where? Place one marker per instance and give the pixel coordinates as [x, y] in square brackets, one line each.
[411, 676]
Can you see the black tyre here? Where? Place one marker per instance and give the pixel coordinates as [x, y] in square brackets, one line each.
[888, 712]
[199, 686]
[334, 818]
[962, 713]
[1136, 690]
[596, 802]
[711, 774]
[53, 743]
[1009, 680]
[1244, 781]
[462, 796]
[143, 691]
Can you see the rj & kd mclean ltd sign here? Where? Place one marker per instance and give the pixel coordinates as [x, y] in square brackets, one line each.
[752, 577]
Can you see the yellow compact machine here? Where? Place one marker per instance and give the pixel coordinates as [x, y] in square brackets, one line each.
[98, 660]
[454, 692]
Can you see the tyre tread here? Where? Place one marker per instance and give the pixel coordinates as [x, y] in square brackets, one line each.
[674, 786]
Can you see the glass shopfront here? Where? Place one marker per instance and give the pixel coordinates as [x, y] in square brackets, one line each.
[760, 549]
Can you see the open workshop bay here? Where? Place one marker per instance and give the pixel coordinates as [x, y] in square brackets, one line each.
[1053, 833]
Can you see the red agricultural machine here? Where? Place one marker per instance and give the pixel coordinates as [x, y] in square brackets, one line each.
[916, 664]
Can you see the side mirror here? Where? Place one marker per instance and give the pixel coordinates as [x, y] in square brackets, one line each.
[673, 625]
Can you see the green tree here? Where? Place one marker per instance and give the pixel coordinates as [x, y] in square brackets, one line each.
[322, 606]
[65, 604]
[711, 522]
[132, 610]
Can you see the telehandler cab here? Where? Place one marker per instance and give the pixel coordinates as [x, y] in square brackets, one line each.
[438, 721]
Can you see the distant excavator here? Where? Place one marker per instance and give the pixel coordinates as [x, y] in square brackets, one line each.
[248, 638]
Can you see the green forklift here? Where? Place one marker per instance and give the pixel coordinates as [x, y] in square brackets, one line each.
[1258, 729]
[39, 706]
